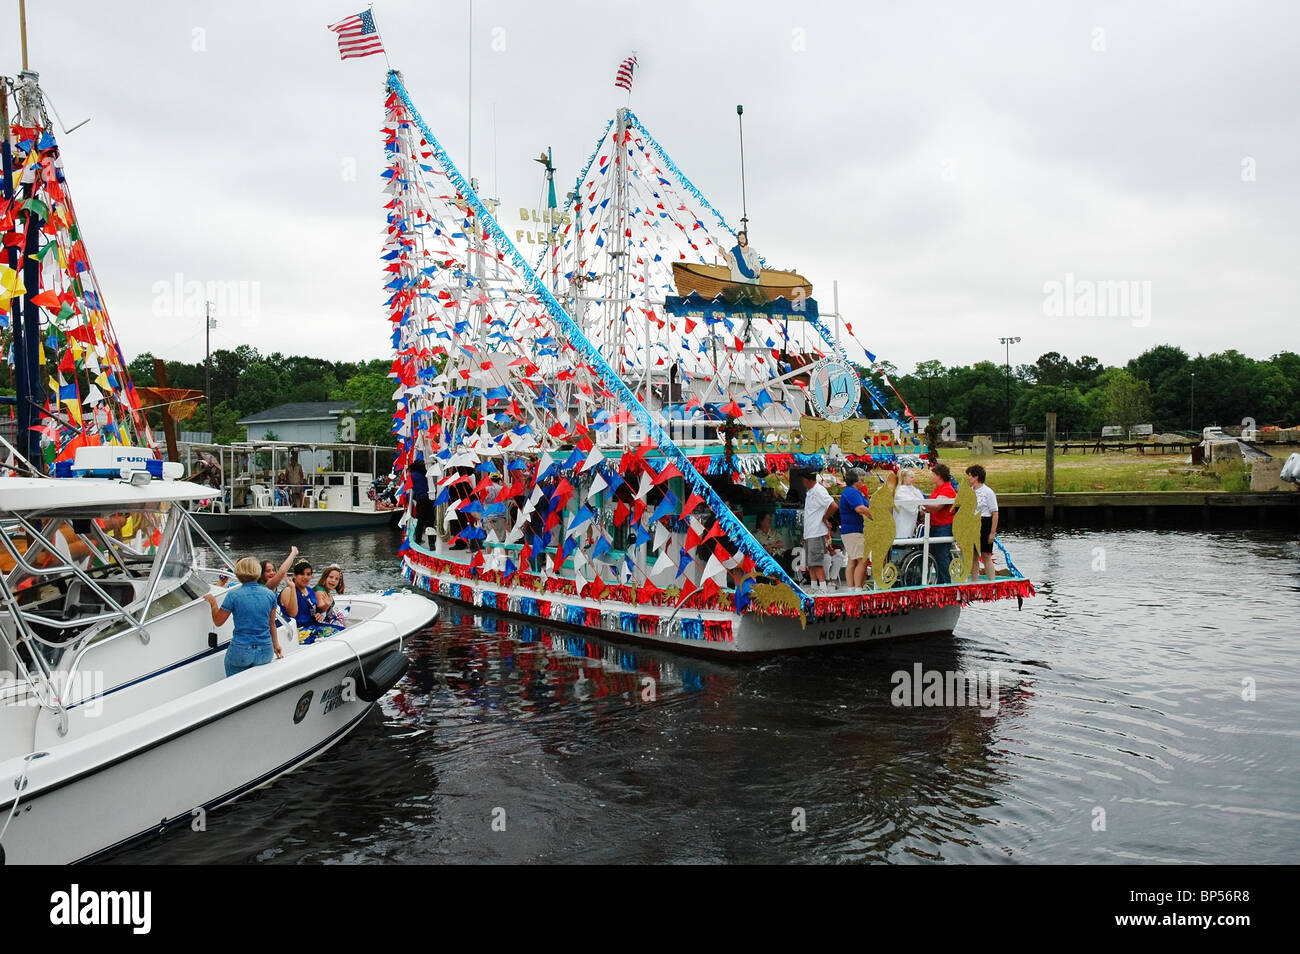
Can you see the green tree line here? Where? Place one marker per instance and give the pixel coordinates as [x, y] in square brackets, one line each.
[244, 381]
[1163, 386]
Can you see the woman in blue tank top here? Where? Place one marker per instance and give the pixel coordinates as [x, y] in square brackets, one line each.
[298, 599]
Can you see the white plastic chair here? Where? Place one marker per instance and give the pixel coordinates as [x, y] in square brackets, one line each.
[261, 496]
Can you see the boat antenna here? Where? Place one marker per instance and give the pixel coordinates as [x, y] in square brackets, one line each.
[469, 96]
[548, 165]
[744, 210]
[22, 28]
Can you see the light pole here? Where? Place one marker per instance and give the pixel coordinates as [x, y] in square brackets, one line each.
[1009, 342]
[1192, 421]
[208, 325]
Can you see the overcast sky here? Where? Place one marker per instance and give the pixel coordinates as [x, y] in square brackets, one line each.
[944, 165]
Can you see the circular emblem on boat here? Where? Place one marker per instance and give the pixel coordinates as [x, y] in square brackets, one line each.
[834, 387]
[300, 711]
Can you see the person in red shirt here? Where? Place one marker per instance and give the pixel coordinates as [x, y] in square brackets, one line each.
[941, 515]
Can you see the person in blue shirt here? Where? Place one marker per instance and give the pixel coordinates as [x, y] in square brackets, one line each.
[255, 641]
[298, 599]
[853, 510]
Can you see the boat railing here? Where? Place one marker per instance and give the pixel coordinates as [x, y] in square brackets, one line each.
[172, 534]
[38, 540]
[38, 680]
[196, 527]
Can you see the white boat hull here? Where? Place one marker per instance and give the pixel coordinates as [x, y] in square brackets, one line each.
[717, 633]
[294, 519]
[113, 780]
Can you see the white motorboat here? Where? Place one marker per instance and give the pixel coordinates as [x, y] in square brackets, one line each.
[250, 491]
[117, 720]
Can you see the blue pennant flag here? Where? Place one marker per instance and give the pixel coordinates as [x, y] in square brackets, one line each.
[742, 593]
[581, 518]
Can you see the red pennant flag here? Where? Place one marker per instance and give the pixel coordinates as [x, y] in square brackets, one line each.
[693, 539]
[670, 471]
[693, 501]
[563, 491]
[710, 589]
[687, 589]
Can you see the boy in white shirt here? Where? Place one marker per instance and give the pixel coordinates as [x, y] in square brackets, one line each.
[986, 505]
[817, 506]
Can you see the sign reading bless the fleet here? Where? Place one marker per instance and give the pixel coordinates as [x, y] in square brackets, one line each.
[535, 224]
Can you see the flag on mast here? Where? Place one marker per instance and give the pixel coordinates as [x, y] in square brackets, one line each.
[358, 36]
[623, 79]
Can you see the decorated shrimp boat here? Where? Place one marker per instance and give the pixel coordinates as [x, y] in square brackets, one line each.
[117, 719]
[598, 432]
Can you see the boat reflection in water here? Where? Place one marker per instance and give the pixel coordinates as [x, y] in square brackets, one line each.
[504, 664]
[689, 760]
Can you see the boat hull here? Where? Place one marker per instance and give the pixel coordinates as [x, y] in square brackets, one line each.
[294, 519]
[718, 634]
[713, 281]
[102, 788]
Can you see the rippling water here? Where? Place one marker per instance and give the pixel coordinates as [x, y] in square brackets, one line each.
[1124, 731]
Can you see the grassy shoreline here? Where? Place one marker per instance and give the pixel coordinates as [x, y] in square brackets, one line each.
[1087, 472]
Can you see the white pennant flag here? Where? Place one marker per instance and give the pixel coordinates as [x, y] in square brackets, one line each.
[714, 570]
[662, 535]
[597, 486]
[665, 565]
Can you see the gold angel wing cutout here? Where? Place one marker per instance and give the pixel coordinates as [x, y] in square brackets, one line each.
[966, 534]
[878, 536]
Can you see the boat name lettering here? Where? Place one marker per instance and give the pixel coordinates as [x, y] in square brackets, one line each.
[132, 908]
[335, 696]
[845, 632]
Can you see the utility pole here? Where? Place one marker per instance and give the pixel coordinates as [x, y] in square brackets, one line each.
[207, 366]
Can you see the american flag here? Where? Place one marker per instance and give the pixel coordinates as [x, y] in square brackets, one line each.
[358, 36]
[623, 79]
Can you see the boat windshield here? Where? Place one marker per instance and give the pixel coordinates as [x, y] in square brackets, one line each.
[74, 578]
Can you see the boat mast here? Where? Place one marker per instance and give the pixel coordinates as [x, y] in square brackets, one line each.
[744, 208]
[28, 385]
